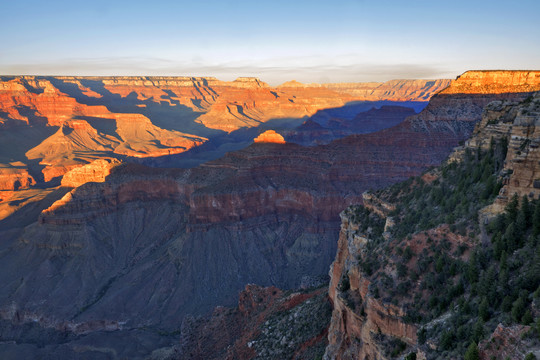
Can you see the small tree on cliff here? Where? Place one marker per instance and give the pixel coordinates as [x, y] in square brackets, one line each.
[472, 352]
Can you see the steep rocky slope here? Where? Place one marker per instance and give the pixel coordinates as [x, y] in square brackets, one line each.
[268, 323]
[432, 264]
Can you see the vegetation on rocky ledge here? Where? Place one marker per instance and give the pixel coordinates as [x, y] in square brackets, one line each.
[456, 274]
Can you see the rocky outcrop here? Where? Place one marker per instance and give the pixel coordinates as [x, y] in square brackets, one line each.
[269, 136]
[517, 122]
[15, 176]
[522, 162]
[506, 342]
[495, 82]
[267, 323]
[464, 101]
[96, 171]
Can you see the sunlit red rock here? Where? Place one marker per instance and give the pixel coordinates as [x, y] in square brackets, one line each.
[14, 177]
[269, 136]
[96, 171]
[495, 82]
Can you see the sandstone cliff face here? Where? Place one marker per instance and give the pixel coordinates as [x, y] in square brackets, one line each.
[14, 177]
[462, 103]
[495, 82]
[517, 122]
[358, 318]
[96, 171]
[250, 103]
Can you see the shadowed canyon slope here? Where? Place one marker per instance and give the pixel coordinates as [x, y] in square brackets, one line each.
[51, 125]
[382, 285]
[149, 246]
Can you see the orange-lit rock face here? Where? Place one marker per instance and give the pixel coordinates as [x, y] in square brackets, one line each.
[36, 100]
[85, 132]
[96, 171]
[269, 136]
[16, 177]
[495, 82]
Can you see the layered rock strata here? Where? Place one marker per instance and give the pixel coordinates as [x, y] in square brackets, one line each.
[65, 122]
[399, 90]
[358, 317]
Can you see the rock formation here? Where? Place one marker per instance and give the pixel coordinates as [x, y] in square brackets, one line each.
[506, 342]
[267, 323]
[269, 136]
[96, 171]
[15, 176]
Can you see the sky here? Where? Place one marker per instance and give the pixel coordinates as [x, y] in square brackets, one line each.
[277, 41]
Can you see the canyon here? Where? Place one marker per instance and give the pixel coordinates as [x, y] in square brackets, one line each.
[54, 124]
[127, 252]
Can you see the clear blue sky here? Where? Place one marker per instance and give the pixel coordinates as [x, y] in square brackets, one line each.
[310, 41]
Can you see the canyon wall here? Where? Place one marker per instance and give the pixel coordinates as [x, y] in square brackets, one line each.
[360, 321]
[489, 107]
[399, 90]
